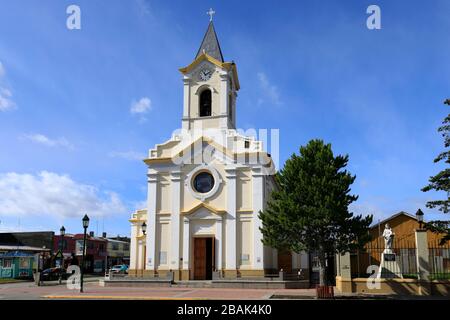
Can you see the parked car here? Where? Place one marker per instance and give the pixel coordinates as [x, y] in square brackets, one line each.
[54, 274]
[120, 268]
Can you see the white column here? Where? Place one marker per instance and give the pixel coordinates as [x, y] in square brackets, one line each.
[223, 100]
[422, 255]
[231, 220]
[133, 247]
[186, 102]
[219, 243]
[186, 242]
[151, 217]
[175, 221]
[234, 109]
[258, 203]
[141, 255]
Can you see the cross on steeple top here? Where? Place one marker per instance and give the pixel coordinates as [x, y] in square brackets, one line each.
[210, 12]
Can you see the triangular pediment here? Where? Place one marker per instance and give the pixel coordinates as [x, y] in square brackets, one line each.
[203, 211]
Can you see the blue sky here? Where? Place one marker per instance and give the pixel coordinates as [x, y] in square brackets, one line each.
[70, 142]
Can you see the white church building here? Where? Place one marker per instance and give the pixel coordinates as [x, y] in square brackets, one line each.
[206, 186]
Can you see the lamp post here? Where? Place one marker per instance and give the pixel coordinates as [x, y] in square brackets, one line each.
[41, 265]
[144, 231]
[419, 215]
[144, 228]
[85, 226]
[62, 232]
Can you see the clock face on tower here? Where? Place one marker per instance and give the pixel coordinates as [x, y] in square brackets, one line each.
[205, 74]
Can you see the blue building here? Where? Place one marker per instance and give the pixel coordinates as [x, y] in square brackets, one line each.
[16, 264]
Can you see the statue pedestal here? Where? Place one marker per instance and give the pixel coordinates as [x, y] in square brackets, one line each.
[389, 266]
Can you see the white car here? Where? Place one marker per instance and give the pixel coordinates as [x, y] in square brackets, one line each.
[120, 268]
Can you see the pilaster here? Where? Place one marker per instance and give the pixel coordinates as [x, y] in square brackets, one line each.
[231, 220]
[219, 243]
[186, 102]
[151, 217]
[175, 220]
[224, 99]
[133, 247]
[186, 244]
[258, 203]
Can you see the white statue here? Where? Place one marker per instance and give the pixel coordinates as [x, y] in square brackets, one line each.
[388, 236]
[390, 264]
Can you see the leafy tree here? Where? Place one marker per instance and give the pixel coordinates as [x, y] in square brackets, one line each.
[309, 209]
[441, 182]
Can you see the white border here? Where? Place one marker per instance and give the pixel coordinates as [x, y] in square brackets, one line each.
[217, 181]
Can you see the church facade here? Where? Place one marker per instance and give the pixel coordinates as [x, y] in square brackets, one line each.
[206, 186]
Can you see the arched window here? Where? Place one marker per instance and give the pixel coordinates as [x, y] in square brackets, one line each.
[205, 103]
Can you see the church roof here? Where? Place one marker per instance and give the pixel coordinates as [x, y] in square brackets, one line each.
[380, 223]
[210, 44]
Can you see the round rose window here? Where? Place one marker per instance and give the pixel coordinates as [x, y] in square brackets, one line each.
[203, 182]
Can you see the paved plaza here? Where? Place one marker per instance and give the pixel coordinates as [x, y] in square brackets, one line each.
[92, 290]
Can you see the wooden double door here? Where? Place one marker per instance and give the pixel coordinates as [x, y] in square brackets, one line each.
[204, 258]
[285, 261]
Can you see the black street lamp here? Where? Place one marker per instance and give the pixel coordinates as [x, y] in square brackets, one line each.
[85, 226]
[144, 231]
[419, 215]
[144, 228]
[62, 232]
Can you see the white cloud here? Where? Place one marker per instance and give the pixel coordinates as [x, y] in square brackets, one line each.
[2, 70]
[143, 6]
[367, 208]
[270, 90]
[46, 141]
[139, 205]
[50, 195]
[141, 107]
[8, 227]
[128, 155]
[6, 103]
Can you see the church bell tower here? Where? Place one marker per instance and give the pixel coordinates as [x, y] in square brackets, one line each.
[205, 187]
[210, 87]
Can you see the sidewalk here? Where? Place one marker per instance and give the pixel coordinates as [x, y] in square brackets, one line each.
[87, 278]
[92, 290]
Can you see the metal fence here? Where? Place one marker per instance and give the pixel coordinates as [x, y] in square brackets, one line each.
[439, 260]
[405, 258]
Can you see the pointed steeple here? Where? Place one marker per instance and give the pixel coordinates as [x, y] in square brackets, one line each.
[210, 44]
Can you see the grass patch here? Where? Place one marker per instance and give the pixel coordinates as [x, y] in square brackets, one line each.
[440, 276]
[7, 280]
